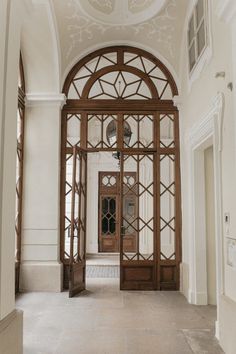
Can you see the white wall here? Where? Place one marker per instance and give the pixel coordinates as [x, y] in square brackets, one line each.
[9, 70]
[12, 14]
[210, 226]
[40, 51]
[40, 268]
[196, 102]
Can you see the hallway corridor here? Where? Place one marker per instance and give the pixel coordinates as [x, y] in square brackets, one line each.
[105, 320]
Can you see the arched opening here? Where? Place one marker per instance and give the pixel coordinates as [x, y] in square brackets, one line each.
[123, 86]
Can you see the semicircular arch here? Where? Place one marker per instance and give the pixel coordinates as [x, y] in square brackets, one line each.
[120, 81]
[146, 66]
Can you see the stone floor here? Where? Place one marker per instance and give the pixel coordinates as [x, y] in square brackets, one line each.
[104, 320]
[103, 259]
[102, 271]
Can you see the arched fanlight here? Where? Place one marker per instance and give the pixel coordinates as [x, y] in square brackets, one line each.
[111, 133]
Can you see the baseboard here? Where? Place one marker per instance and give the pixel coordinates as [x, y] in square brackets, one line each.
[11, 333]
[197, 298]
[190, 296]
[41, 276]
[201, 298]
[217, 330]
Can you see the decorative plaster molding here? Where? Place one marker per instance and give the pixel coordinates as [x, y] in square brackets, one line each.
[121, 13]
[83, 28]
[207, 132]
[105, 6]
[226, 11]
[42, 99]
[139, 5]
[203, 129]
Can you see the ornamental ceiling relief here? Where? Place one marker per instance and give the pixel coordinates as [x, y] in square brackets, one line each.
[105, 6]
[79, 31]
[139, 5]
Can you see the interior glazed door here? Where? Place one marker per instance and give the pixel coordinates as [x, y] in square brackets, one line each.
[138, 266]
[108, 238]
[120, 101]
[130, 203]
[109, 224]
[77, 263]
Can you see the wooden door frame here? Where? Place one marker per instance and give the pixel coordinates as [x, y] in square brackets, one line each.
[156, 106]
[163, 268]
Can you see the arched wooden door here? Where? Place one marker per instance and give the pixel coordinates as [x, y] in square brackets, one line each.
[126, 85]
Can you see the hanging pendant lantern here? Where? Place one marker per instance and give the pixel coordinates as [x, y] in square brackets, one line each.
[111, 133]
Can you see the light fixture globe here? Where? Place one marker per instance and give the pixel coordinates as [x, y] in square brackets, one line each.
[111, 133]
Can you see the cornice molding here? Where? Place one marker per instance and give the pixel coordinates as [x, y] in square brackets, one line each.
[213, 119]
[45, 99]
[226, 11]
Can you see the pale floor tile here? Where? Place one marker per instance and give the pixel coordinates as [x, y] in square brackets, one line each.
[103, 259]
[105, 320]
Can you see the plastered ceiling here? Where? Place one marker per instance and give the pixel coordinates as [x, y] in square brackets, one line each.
[121, 12]
[155, 25]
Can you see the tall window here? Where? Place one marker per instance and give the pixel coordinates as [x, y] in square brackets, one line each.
[19, 169]
[197, 33]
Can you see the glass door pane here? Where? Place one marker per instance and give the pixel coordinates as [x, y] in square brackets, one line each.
[137, 220]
